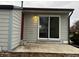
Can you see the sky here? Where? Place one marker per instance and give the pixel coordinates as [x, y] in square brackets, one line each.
[50, 4]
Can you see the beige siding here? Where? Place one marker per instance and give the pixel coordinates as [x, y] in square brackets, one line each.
[31, 28]
[4, 22]
[64, 28]
[16, 28]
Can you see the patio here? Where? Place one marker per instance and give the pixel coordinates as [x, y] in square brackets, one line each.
[47, 48]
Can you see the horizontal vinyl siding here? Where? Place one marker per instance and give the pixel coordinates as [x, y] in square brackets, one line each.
[3, 40]
[5, 20]
[4, 28]
[4, 36]
[2, 32]
[64, 27]
[4, 23]
[16, 28]
[3, 44]
[30, 28]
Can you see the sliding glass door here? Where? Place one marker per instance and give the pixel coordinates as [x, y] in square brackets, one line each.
[48, 27]
[54, 27]
[43, 30]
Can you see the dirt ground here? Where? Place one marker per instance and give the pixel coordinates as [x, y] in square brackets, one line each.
[30, 54]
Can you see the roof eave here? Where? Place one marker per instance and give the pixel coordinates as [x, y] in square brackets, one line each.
[49, 9]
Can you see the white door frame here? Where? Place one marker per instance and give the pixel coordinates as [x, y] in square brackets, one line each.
[54, 39]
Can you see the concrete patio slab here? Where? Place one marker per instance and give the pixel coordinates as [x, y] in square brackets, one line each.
[47, 48]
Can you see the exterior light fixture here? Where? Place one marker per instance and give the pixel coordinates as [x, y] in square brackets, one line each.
[35, 19]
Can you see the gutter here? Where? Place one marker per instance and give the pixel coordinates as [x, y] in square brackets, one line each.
[69, 26]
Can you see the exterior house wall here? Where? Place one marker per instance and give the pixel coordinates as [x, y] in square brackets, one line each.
[16, 28]
[31, 27]
[10, 25]
[64, 28]
[10, 29]
[4, 29]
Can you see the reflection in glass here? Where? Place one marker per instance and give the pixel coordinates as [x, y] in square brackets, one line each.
[43, 28]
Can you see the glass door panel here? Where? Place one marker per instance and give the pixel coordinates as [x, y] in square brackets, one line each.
[43, 27]
[54, 27]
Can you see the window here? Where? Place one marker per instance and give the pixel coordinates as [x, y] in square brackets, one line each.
[48, 27]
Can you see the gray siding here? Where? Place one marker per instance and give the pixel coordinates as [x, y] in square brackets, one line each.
[31, 28]
[16, 28]
[10, 29]
[4, 23]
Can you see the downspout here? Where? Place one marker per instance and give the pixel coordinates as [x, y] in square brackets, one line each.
[69, 26]
[21, 4]
[22, 21]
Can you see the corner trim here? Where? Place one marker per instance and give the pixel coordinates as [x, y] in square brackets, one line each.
[10, 31]
[69, 26]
